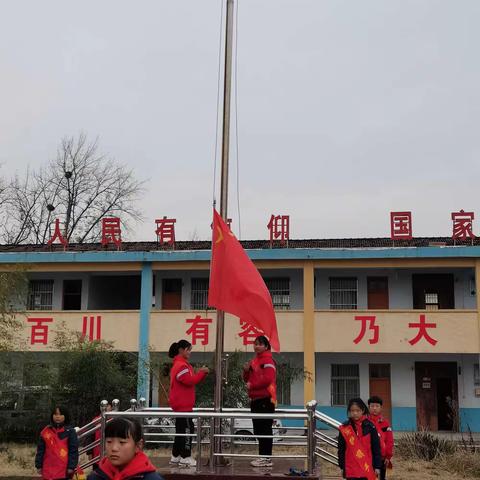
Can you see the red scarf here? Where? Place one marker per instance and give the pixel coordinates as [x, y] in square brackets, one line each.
[352, 441]
[140, 463]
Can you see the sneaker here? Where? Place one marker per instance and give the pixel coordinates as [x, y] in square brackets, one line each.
[262, 462]
[175, 460]
[187, 462]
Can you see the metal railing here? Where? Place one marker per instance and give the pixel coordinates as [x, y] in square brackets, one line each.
[311, 438]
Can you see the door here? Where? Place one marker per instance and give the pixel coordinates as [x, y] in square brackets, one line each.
[377, 293]
[172, 294]
[437, 395]
[380, 386]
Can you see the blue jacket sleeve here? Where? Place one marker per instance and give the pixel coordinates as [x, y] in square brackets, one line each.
[40, 453]
[72, 449]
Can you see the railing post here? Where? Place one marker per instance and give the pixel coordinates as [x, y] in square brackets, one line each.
[199, 444]
[212, 444]
[133, 405]
[232, 432]
[311, 426]
[115, 404]
[142, 403]
[103, 422]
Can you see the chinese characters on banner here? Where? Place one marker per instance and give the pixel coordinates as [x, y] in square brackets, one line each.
[200, 327]
[91, 329]
[368, 321]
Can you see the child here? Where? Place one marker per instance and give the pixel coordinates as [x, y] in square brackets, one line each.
[182, 399]
[57, 451]
[124, 458]
[359, 454]
[260, 376]
[375, 405]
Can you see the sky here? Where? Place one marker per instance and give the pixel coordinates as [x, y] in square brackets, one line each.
[347, 110]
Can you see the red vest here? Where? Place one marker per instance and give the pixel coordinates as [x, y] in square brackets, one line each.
[358, 453]
[55, 459]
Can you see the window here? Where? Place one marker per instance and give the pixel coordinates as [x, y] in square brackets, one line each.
[476, 375]
[72, 294]
[284, 382]
[199, 294]
[40, 295]
[279, 289]
[345, 384]
[431, 301]
[343, 293]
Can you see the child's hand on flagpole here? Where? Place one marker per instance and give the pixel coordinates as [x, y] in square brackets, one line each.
[204, 369]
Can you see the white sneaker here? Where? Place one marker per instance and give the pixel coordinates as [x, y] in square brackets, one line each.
[187, 462]
[175, 460]
[262, 462]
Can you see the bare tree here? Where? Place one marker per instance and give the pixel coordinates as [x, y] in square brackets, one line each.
[79, 187]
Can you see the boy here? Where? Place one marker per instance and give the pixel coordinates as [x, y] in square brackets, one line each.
[375, 405]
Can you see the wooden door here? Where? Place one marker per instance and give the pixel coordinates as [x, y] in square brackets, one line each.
[172, 294]
[380, 386]
[377, 293]
[436, 392]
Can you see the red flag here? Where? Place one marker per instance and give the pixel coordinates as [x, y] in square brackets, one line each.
[236, 286]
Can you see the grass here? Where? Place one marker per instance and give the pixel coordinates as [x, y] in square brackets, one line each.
[17, 460]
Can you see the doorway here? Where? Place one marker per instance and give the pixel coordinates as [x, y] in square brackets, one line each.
[437, 395]
[380, 386]
[172, 294]
[377, 293]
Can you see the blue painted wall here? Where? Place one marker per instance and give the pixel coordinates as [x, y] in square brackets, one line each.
[470, 419]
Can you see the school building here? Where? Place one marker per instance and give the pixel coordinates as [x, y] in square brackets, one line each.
[362, 316]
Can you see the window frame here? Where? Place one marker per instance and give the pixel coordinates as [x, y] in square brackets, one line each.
[343, 305]
[346, 393]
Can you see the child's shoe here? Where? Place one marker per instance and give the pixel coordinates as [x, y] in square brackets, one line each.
[175, 460]
[187, 462]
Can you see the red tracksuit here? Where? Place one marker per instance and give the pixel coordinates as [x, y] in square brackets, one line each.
[182, 385]
[182, 399]
[386, 435]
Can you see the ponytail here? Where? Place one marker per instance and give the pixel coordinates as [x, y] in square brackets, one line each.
[175, 347]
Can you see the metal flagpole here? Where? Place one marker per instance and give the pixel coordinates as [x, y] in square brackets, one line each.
[223, 207]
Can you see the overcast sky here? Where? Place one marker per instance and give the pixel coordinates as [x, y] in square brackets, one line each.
[346, 109]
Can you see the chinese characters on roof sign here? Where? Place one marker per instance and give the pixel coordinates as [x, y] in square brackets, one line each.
[278, 227]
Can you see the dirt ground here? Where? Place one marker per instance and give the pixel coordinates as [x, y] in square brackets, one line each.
[17, 460]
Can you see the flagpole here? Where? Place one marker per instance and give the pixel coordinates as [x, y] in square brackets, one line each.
[224, 201]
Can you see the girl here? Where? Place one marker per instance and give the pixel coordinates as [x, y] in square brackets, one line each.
[124, 458]
[359, 454]
[182, 399]
[57, 451]
[260, 376]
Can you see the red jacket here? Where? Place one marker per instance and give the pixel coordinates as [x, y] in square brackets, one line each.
[182, 385]
[386, 434]
[368, 437]
[262, 377]
[139, 468]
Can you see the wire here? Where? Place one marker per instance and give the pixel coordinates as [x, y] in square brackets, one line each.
[215, 159]
[236, 122]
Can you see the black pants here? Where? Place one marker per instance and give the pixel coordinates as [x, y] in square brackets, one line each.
[383, 472]
[183, 445]
[263, 426]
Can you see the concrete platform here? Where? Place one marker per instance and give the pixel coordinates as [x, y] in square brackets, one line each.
[238, 469]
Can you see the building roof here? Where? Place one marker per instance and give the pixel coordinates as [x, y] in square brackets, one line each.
[327, 243]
